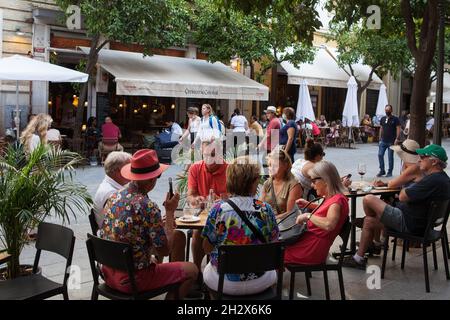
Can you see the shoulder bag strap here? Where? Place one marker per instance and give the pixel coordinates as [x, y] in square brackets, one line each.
[244, 218]
[274, 198]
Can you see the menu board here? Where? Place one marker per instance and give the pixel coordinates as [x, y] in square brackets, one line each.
[103, 108]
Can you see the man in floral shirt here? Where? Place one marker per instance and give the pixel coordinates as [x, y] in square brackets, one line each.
[131, 217]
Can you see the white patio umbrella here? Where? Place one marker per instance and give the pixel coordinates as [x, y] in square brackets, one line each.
[382, 102]
[350, 117]
[19, 68]
[304, 105]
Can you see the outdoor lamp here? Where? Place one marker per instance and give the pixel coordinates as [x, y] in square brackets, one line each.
[144, 106]
[83, 127]
[49, 103]
[120, 105]
[154, 110]
[135, 111]
[173, 106]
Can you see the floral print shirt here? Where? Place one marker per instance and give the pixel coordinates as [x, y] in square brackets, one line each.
[225, 227]
[131, 217]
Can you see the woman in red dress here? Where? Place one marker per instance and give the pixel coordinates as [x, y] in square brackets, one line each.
[326, 223]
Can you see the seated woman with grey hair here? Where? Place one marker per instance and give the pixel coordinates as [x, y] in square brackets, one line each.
[112, 182]
[326, 222]
[224, 226]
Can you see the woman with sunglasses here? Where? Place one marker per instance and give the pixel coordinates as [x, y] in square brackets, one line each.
[326, 223]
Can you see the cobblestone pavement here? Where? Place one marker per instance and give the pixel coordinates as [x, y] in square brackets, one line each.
[398, 284]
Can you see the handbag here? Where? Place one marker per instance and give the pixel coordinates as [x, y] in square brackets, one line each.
[290, 231]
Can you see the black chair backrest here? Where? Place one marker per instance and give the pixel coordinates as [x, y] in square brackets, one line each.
[344, 235]
[93, 222]
[437, 216]
[251, 258]
[55, 238]
[110, 253]
[116, 255]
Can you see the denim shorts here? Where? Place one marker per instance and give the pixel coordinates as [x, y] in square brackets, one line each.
[393, 218]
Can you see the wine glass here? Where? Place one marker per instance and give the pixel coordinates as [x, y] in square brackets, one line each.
[362, 169]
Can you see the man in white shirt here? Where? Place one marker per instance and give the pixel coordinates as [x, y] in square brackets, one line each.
[112, 182]
[239, 125]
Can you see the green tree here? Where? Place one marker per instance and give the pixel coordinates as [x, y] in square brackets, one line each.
[419, 25]
[269, 32]
[382, 50]
[150, 23]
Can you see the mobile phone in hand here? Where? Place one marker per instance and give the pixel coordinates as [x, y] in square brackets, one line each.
[349, 176]
[170, 188]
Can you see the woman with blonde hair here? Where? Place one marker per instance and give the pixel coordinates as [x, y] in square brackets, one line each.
[281, 189]
[326, 223]
[36, 132]
[211, 128]
[225, 226]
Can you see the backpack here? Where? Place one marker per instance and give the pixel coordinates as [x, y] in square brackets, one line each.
[219, 123]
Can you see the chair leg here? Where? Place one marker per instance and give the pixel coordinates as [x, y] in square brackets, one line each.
[65, 294]
[383, 265]
[325, 281]
[291, 286]
[394, 249]
[341, 283]
[425, 268]
[405, 244]
[446, 241]
[94, 295]
[444, 254]
[433, 245]
[308, 283]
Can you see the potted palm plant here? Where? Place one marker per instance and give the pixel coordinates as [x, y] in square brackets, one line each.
[33, 187]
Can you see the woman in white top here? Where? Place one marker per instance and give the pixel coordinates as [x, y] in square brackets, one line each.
[239, 122]
[313, 154]
[210, 126]
[36, 132]
[193, 124]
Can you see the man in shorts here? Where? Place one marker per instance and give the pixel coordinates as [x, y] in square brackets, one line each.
[410, 213]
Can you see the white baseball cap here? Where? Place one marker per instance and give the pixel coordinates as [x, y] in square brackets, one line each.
[271, 109]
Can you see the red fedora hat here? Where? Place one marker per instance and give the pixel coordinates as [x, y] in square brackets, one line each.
[144, 166]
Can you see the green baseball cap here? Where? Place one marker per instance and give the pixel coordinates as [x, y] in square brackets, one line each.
[433, 150]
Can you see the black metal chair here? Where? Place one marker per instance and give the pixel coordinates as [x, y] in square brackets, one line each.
[329, 265]
[93, 222]
[237, 259]
[437, 219]
[119, 256]
[53, 238]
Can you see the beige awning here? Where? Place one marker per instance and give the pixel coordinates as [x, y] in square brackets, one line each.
[165, 76]
[325, 72]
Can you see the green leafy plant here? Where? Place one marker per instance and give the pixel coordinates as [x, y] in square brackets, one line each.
[33, 187]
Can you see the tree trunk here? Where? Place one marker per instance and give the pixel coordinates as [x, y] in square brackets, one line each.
[274, 88]
[419, 105]
[90, 65]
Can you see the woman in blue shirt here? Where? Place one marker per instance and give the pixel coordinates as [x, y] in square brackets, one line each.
[289, 132]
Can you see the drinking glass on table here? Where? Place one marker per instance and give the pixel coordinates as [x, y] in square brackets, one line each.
[361, 169]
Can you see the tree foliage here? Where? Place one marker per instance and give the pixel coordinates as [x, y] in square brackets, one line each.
[150, 23]
[416, 21]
